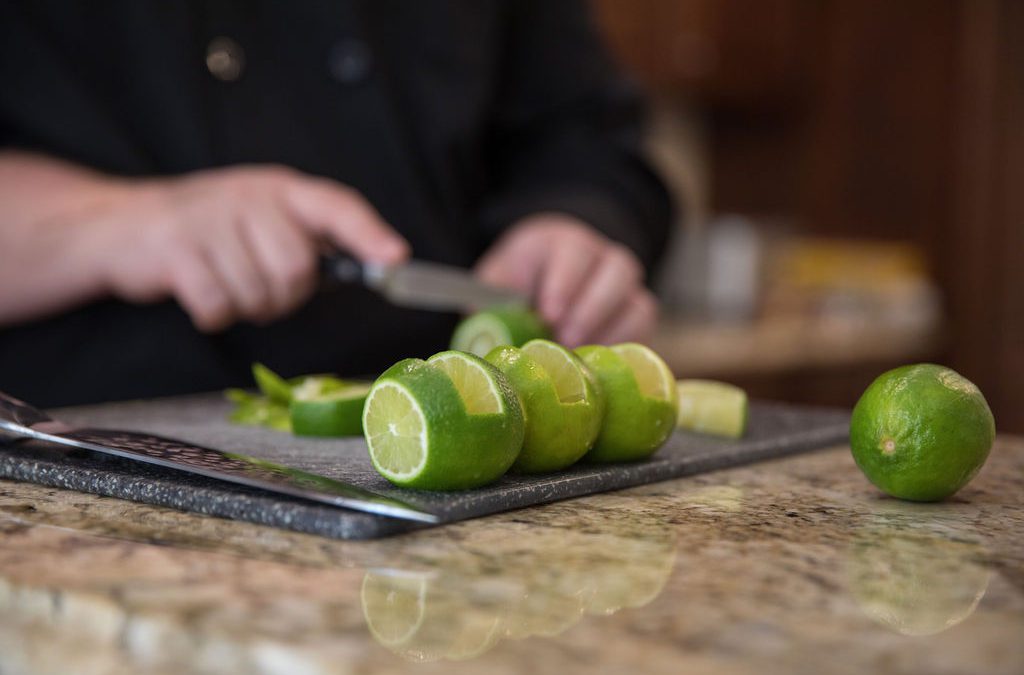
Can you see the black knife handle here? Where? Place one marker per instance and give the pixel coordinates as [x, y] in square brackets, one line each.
[338, 268]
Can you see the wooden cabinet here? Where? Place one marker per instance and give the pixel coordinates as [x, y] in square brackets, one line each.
[866, 118]
[739, 52]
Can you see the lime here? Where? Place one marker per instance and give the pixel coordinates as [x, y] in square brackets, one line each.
[921, 432]
[273, 386]
[562, 402]
[335, 412]
[447, 423]
[642, 401]
[480, 333]
[709, 407]
[254, 410]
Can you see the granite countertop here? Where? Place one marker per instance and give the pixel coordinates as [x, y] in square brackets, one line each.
[796, 565]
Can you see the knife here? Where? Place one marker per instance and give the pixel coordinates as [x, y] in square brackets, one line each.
[22, 421]
[421, 284]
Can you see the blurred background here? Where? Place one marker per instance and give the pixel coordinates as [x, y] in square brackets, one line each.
[852, 176]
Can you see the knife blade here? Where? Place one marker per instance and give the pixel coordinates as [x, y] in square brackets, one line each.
[22, 421]
[421, 284]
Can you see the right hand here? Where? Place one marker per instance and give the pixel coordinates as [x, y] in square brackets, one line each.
[232, 244]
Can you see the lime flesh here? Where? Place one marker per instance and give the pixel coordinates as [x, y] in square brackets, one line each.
[709, 407]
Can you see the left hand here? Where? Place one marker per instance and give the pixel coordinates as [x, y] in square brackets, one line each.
[586, 286]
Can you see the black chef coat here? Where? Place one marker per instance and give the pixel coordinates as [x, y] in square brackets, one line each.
[454, 118]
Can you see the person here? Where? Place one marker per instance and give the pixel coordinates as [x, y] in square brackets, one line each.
[170, 172]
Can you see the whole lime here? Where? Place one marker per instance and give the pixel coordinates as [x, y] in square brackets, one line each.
[921, 432]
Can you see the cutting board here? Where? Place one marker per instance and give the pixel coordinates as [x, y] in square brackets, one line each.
[774, 430]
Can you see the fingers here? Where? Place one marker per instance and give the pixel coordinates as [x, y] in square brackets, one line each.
[233, 260]
[634, 322]
[201, 292]
[286, 257]
[566, 274]
[513, 263]
[616, 276]
[346, 218]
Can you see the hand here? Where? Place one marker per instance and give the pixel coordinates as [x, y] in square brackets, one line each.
[231, 244]
[589, 288]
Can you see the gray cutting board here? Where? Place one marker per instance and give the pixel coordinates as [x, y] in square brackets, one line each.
[774, 431]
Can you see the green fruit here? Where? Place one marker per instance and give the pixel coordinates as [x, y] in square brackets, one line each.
[921, 432]
[334, 412]
[480, 333]
[254, 410]
[562, 403]
[642, 401]
[448, 423]
[273, 386]
[709, 407]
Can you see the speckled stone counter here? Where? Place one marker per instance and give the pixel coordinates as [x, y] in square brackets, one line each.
[790, 566]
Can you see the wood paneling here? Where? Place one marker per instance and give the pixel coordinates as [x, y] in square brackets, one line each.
[900, 120]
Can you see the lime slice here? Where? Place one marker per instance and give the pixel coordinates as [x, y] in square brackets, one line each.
[642, 401]
[562, 402]
[334, 412]
[273, 386]
[448, 423]
[709, 407]
[480, 333]
[394, 606]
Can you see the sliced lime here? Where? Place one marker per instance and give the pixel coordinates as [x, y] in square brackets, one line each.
[710, 407]
[447, 423]
[273, 386]
[562, 402]
[336, 412]
[480, 333]
[641, 401]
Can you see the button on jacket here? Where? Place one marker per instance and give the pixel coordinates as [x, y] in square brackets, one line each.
[454, 118]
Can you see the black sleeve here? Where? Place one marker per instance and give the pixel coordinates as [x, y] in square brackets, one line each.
[566, 132]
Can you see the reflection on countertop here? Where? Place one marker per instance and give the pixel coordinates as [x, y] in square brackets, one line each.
[795, 565]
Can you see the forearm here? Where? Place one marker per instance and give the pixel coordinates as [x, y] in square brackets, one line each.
[48, 261]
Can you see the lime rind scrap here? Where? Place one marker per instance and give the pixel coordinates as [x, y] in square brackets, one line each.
[273, 386]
